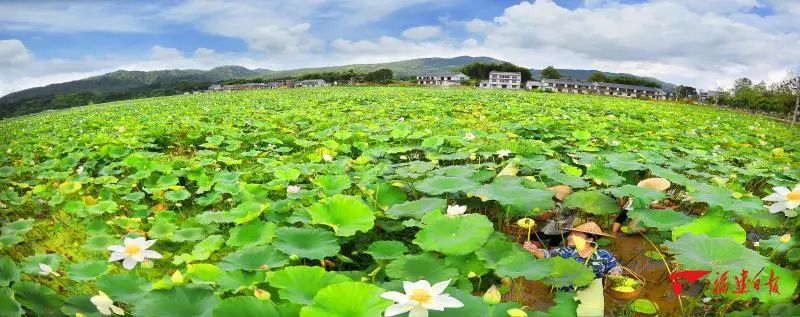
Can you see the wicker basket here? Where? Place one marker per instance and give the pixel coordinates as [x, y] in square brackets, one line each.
[630, 295]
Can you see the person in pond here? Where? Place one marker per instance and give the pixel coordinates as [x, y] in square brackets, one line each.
[557, 220]
[581, 247]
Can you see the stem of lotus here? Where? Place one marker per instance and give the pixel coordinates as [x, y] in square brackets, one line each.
[529, 234]
[479, 282]
[663, 259]
[538, 239]
[489, 311]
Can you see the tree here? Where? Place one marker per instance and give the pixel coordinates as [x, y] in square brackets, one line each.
[595, 77]
[551, 73]
[383, 76]
[482, 70]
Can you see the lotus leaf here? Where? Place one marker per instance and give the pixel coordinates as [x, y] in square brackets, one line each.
[245, 306]
[299, 284]
[128, 287]
[714, 226]
[496, 249]
[425, 266]
[88, 270]
[254, 258]
[37, 298]
[774, 243]
[663, 220]
[8, 304]
[437, 185]
[310, 243]
[700, 252]
[594, 202]
[644, 306]
[509, 191]
[645, 194]
[345, 214]
[333, 184]
[9, 272]
[386, 250]
[457, 235]
[252, 233]
[180, 301]
[417, 208]
[473, 306]
[362, 300]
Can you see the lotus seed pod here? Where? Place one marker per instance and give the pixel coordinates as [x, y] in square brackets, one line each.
[492, 296]
[472, 274]
[147, 264]
[516, 312]
[261, 294]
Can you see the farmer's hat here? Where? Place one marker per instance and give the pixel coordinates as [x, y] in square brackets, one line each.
[590, 228]
[657, 183]
[561, 191]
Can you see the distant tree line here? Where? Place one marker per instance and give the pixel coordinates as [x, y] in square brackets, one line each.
[622, 79]
[480, 70]
[778, 97]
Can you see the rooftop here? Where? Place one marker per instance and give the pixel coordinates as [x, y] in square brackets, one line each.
[494, 72]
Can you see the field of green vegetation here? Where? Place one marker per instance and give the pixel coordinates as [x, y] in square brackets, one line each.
[315, 202]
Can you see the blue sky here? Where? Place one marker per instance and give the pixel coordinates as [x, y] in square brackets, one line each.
[705, 43]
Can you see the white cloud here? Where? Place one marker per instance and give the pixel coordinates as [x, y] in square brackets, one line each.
[13, 51]
[76, 16]
[165, 53]
[422, 32]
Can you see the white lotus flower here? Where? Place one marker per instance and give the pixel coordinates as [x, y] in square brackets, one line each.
[327, 157]
[401, 119]
[133, 251]
[46, 270]
[293, 189]
[503, 153]
[469, 136]
[419, 297]
[456, 210]
[105, 305]
[784, 199]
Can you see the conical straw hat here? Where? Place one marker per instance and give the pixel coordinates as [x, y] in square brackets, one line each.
[590, 228]
[656, 183]
[561, 191]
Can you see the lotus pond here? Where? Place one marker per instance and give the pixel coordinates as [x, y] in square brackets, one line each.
[333, 202]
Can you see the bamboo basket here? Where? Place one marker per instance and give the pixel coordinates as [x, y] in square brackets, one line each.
[631, 295]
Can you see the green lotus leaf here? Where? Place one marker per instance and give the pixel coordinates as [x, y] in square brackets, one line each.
[19, 227]
[496, 249]
[509, 191]
[37, 298]
[203, 273]
[166, 181]
[288, 174]
[30, 264]
[669, 174]
[237, 280]
[591, 201]
[69, 187]
[333, 184]
[465, 171]
[700, 252]
[663, 220]
[210, 217]
[203, 249]
[602, 175]
[522, 264]
[724, 198]
[565, 306]
[6, 171]
[126, 287]
[386, 195]
[245, 306]
[425, 266]
[103, 207]
[774, 243]
[644, 306]
[8, 304]
[80, 304]
[345, 214]
[254, 258]
[177, 195]
[569, 180]
[714, 226]
[473, 306]
[624, 162]
[386, 250]
[758, 217]
[433, 142]
[362, 300]
[88, 270]
[467, 263]
[162, 229]
[247, 211]
[9, 241]
[180, 301]
[646, 195]
[417, 208]
[252, 233]
[310, 243]
[99, 243]
[457, 235]
[437, 185]
[9, 272]
[299, 284]
[188, 234]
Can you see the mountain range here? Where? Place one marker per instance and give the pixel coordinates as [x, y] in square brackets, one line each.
[124, 84]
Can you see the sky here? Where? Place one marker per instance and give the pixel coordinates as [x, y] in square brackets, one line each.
[703, 43]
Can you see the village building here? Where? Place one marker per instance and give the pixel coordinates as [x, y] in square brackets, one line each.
[567, 85]
[312, 83]
[506, 80]
[441, 79]
[601, 88]
[533, 84]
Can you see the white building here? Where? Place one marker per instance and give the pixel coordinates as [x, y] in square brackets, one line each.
[533, 84]
[311, 83]
[507, 80]
[442, 79]
[600, 88]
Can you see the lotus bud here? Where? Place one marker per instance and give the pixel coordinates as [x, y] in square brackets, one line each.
[526, 223]
[472, 274]
[109, 222]
[364, 279]
[403, 157]
[147, 264]
[177, 277]
[516, 312]
[261, 294]
[785, 238]
[294, 257]
[492, 296]
[473, 157]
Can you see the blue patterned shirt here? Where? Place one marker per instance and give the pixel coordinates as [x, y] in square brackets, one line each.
[602, 262]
